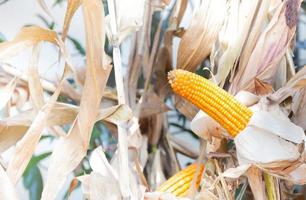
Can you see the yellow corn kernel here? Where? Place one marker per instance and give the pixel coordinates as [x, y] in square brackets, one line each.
[216, 102]
[179, 183]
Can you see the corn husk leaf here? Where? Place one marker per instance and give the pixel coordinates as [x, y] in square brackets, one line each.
[26, 146]
[152, 105]
[13, 128]
[69, 151]
[28, 36]
[233, 35]
[256, 183]
[6, 94]
[270, 48]
[72, 6]
[200, 36]
[299, 108]
[35, 87]
[205, 127]
[256, 29]
[271, 128]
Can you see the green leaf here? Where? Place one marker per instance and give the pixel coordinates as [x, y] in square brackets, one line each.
[95, 139]
[2, 38]
[32, 179]
[303, 5]
[77, 45]
[57, 2]
[50, 25]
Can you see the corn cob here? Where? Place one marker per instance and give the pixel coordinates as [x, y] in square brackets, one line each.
[216, 102]
[179, 183]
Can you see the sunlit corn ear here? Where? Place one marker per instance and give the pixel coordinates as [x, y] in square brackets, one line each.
[180, 183]
[216, 102]
[197, 41]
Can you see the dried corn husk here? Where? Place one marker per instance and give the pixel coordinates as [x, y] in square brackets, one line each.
[270, 133]
[197, 41]
[270, 48]
[233, 35]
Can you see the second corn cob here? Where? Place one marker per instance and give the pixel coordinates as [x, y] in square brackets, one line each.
[216, 102]
[180, 183]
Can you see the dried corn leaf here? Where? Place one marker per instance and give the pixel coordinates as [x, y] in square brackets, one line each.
[69, 151]
[269, 50]
[297, 82]
[30, 36]
[13, 128]
[256, 183]
[233, 35]
[262, 88]
[27, 36]
[259, 19]
[7, 92]
[152, 105]
[299, 108]
[26, 146]
[7, 189]
[100, 164]
[199, 38]
[184, 147]
[177, 14]
[35, 87]
[72, 6]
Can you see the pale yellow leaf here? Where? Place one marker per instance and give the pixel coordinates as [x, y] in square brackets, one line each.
[35, 87]
[69, 151]
[268, 52]
[26, 146]
[233, 35]
[72, 6]
[201, 34]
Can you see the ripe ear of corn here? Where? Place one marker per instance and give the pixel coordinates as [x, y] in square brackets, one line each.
[180, 183]
[216, 102]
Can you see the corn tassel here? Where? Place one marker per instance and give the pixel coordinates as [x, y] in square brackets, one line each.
[180, 183]
[216, 102]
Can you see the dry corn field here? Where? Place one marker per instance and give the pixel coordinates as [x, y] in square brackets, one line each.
[153, 100]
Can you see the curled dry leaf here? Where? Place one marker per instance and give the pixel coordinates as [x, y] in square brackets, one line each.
[26, 146]
[299, 108]
[205, 127]
[184, 147]
[69, 151]
[96, 186]
[199, 38]
[13, 128]
[28, 36]
[35, 87]
[256, 183]
[233, 35]
[268, 52]
[6, 94]
[72, 6]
